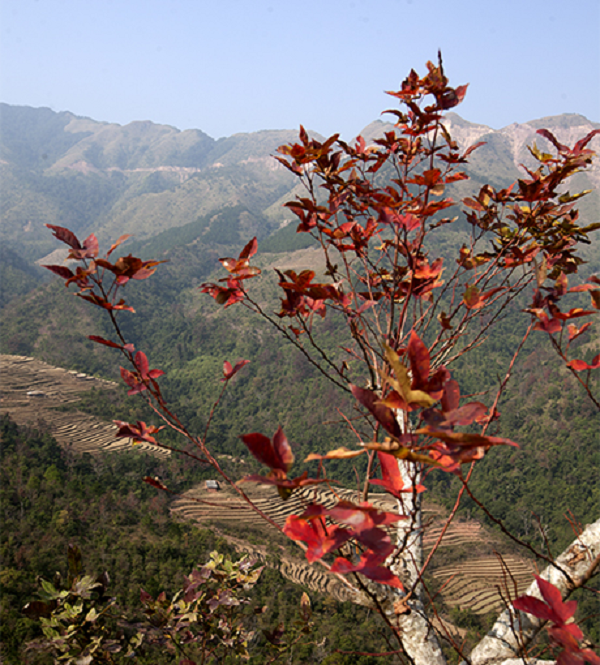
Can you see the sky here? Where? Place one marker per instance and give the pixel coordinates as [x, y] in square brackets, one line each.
[230, 66]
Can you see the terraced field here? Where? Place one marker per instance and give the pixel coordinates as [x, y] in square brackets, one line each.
[479, 582]
[485, 584]
[31, 391]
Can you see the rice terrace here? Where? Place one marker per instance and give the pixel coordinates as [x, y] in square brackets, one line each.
[33, 392]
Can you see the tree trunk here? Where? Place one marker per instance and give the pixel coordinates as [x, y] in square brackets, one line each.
[515, 631]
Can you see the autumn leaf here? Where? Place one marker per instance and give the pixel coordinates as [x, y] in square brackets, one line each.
[319, 538]
[391, 480]
[64, 235]
[275, 453]
[229, 371]
[580, 365]
[399, 451]
[402, 382]
[160, 486]
[285, 486]
[114, 345]
[466, 439]
[61, 271]
[381, 413]
[139, 432]
[369, 566]
[119, 240]
[338, 453]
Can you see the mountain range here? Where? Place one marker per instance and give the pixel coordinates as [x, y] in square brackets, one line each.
[145, 179]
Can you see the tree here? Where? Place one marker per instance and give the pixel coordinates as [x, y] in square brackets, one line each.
[409, 310]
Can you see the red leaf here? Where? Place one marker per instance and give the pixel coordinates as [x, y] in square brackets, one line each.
[575, 332]
[550, 136]
[359, 517]
[276, 454]
[101, 302]
[580, 145]
[535, 607]
[580, 365]
[141, 362]
[140, 432]
[229, 371]
[574, 313]
[88, 251]
[466, 439]
[107, 342]
[249, 250]
[418, 355]
[391, 477]
[282, 449]
[368, 566]
[135, 385]
[285, 486]
[319, 538]
[155, 483]
[545, 323]
[451, 396]
[64, 235]
[117, 243]
[554, 599]
[382, 414]
[61, 271]
[464, 415]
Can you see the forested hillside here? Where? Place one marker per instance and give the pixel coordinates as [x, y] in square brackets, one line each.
[189, 200]
[50, 499]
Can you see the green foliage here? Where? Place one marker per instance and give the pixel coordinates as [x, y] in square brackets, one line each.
[51, 500]
[286, 239]
[205, 621]
[17, 276]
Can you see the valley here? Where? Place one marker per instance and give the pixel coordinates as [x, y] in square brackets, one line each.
[33, 393]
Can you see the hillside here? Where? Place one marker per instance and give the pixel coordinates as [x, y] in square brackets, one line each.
[35, 394]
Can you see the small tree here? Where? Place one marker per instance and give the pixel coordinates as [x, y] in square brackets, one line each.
[377, 213]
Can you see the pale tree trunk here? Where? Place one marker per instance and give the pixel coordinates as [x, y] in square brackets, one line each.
[514, 632]
[418, 637]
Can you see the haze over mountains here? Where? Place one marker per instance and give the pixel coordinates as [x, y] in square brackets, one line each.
[144, 178]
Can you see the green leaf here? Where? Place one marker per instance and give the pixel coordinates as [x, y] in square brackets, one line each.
[49, 591]
[92, 615]
[567, 198]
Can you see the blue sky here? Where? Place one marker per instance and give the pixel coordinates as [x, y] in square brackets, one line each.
[228, 66]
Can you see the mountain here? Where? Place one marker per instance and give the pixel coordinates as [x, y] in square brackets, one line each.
[505, 150]
[144, 178]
